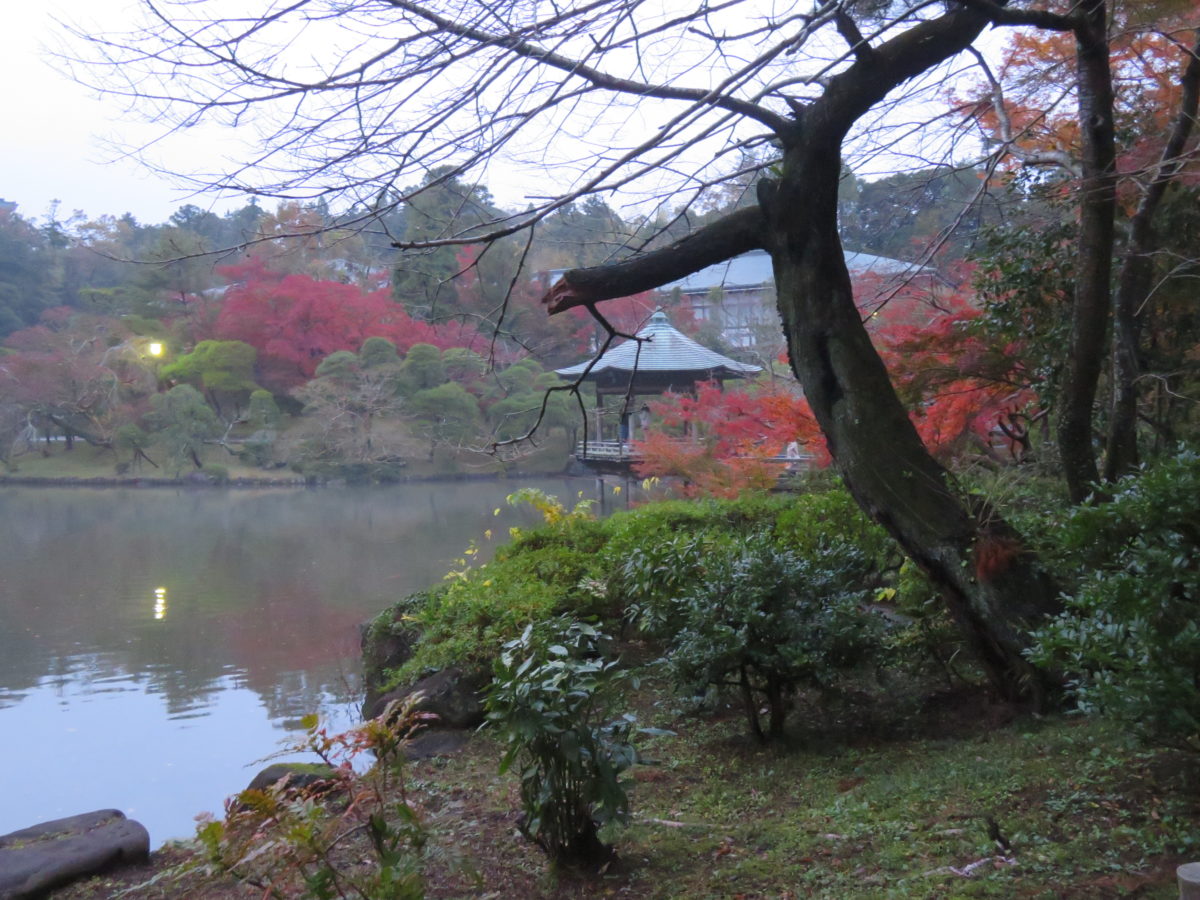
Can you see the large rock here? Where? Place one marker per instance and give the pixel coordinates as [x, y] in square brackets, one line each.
[452, 694]
[387, 643]
[299, 775]
[35, 860]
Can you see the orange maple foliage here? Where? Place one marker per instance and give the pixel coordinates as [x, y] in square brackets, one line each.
[963, 391]
[722, 442]
[965, 395]
[1149, 47]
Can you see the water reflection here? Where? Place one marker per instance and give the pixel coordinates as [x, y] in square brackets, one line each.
[154, 643]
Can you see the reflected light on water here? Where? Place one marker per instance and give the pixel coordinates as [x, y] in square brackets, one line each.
[165, 719]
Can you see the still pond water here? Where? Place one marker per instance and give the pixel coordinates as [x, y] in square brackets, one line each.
[156, 643]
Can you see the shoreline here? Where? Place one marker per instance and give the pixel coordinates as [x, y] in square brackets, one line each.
[110, 481]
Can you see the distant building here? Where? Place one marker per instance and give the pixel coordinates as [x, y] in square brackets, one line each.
[738, 295]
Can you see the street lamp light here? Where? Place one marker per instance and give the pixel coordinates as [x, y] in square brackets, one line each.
[155, 348]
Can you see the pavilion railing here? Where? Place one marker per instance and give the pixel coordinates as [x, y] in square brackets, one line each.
[618, 451]
[606, 450]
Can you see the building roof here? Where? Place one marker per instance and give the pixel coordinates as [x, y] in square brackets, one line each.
[753, 269]
[665, 349]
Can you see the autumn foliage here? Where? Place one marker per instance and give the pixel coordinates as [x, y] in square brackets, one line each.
[295, 321]
[965, 392]
[724, 441]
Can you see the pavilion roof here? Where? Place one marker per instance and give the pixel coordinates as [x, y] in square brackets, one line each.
[665, 349]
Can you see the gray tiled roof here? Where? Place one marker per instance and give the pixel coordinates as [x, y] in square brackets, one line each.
[754, 269]
[665, 350]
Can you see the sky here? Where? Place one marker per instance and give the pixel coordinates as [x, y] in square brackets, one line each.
[55, 130]
[61, 140]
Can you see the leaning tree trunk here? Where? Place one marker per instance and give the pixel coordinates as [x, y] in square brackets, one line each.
[993, 586]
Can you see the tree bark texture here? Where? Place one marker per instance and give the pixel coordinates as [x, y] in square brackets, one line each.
[877, 449]
[1097, 211]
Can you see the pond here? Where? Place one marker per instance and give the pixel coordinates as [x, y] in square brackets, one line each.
[156, 643]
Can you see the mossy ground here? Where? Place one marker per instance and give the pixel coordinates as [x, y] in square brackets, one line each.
[951, 796]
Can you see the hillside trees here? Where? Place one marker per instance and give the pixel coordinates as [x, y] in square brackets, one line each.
[295, 321]
[77, 375]
[184, 422]
[223, 370]
[349, 395]
[1128, 142]
[27, 265]
[420, 86]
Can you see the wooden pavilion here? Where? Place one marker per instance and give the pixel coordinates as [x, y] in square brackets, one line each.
[662, 359]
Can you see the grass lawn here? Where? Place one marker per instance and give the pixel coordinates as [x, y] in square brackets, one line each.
[86, 461]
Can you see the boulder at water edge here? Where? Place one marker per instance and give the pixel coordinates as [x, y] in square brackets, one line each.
[452, 694]
[35, 860]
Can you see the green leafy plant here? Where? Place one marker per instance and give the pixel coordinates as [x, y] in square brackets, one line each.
[291, 840]
[767, 621]
[552, 510]
[654, 574]
[551, 697]
[1130, 638]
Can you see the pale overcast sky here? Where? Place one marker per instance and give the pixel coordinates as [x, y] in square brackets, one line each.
[54, 129]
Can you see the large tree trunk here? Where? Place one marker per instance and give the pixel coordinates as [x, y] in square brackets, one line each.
[992, 585]
[1097, 209]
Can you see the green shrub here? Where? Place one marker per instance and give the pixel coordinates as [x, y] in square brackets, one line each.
[217, 474]
[377, 472]
[1130, 638]
[768, 621]
[808, 520]
[635, 563]
[257, 449]
[552, 696]
[927, 633]
[464, 623]
[654, 574]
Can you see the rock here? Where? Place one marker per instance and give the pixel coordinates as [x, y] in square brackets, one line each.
[300, 775]
[454, 696]
[387, 643]
[35, 860]
[429, 744]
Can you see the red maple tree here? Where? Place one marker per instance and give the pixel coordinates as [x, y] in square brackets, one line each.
[724, 441]
[295, 321]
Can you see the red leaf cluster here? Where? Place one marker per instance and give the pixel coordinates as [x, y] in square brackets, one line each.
[295, 321]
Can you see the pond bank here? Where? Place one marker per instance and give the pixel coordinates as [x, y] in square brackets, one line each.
[201, 480]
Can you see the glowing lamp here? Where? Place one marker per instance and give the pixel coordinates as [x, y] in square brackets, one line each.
[155, 348]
